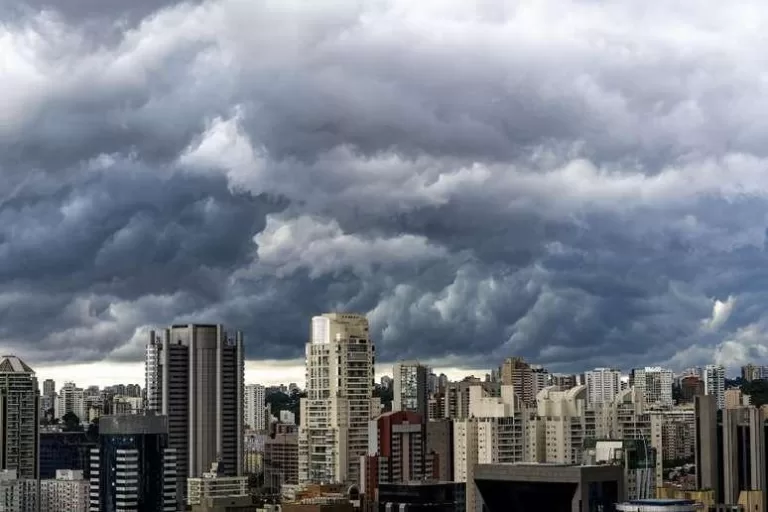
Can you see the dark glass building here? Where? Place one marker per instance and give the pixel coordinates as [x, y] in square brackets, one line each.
[132, 469]
[422, 496]
[65, 450]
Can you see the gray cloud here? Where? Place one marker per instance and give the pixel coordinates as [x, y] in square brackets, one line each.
[482, 180]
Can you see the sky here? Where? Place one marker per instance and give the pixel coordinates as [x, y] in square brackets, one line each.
[579, 182]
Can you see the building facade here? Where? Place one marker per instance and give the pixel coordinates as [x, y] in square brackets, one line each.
[20, 418]
[714, 383]
[255, 407]
[655, 384]
[410, 388]
[603, 384]
[333, 432]
[69, 492]
[194, 377]
[133, 469]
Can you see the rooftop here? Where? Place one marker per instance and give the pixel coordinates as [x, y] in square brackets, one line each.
[12, 364]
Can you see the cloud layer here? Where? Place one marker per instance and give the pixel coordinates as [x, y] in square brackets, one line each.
[581, 183]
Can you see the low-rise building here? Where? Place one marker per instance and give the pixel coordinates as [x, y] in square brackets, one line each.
[69, 492]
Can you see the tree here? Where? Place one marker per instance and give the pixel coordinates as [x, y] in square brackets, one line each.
[71, 422]
[757, 390]
[93, 430]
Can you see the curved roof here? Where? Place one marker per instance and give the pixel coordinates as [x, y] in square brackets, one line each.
[12, 364]
[574, 392]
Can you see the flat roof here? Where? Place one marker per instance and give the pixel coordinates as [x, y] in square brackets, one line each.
[661, 501]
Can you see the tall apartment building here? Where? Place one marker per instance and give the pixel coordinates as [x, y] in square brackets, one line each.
[440, 442]
[69, 492]
[133, 469]
[281, 459]
[690, 386]
[731, 453]
[410, 391]
[516, 372]
[19, 416]
[194, 377]
[539, 379]
[396, 452]
[495, 432]
[714, 383]
[752, 372]
[71, 399]
[562, 423]
[655, 384]
[603, 384]
[255, 407]
[333, 434]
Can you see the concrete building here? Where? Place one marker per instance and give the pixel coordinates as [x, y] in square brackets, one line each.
[563, 381]
[516, 372]
[603, 384]
[495, 433]
[333, 434]
[655, 384]
[714, 383]
[396, 453]
[71, 399]
[658, 505]
[731, 453]
[17, 495]
[752, 372]
[255, 407]
[735, 398]
[562, 423]
[69, 492]
[705, 450]
[410, 388]
[20, 418]
[216, 491]
[194, 377]
[551, 487]
[690, 386]
[281, 459]
[440, 442]
[133, 469]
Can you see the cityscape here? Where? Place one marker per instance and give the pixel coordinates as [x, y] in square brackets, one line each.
[195, 436]
[383, 256]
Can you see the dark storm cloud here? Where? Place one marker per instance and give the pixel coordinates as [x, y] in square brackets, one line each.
[481, 180]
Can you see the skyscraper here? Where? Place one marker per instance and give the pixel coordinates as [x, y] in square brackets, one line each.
[410, 388]
[194, 376]
[603, 384]
[133, 468]
[714, 383]
[255, 414]
[19, 415]
[655, 383]
[334, 416]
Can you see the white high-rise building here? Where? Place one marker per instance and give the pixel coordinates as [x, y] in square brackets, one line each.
[714, 383]
[655, 384]
[603, 384]
[68, 491]
[494, 433]
[410, 388]
[333, 432]
[255, 407]
[71, 399]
